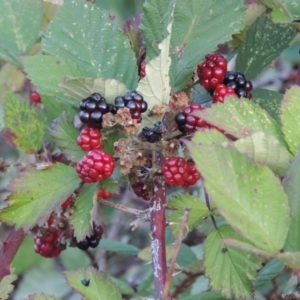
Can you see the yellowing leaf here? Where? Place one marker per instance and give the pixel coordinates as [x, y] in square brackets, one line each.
[291, 259]
[155, 86]
[290, 118]
[80, 88]
[265, 150]
[6, 286]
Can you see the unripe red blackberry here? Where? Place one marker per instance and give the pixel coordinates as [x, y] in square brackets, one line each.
[89, 139]
[92, 110]
[140, 189]
[221, 92]
[95, 166]
[104, 194]
[178, 172]
[212, 71]
[48, 245]
[187, 122]
[35, 97]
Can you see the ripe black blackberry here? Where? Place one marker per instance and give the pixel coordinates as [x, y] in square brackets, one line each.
[239, 83]
[92, 110]
[135, 102]
[154, 134]
[93, 240]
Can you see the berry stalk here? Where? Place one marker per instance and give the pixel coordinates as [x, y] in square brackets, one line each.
[158, 241]
[9, 250]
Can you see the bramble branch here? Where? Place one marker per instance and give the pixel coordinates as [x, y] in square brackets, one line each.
[182, 230]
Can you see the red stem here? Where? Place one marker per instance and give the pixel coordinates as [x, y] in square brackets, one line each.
[158, 241]
[9, 250]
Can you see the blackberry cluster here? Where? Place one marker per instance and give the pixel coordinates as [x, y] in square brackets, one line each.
[92, 110]
[93, 240]
[238, 82]
[135, 102]
[187, 122]
[154, 134]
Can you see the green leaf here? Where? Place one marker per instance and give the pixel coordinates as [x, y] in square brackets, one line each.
[11, 78]
[53, 70]
[21, 20]
[155, 86]
[22, 120]
[280, 16]
[270, 101]
[101, 287]
[291, 186]
[268, 272]
[20, 265]
[52, 108]
[260, 190]
[37, 193]
[119, 247]
[290, 259]
[199, 27]
[290, 117]
[197, 211]
[209, 136]
[74, 259]
[81, 219]
[154, 32]
[6, 286]
[264, 149]
[42, 297]
[146, 253]
[230, 270]
[114, 183]
[241, 118]
[1, 118]
[264, 42]
[80, 88]
[204, 296]
[65, 135]
[85, 34]
[293, 7]
[123, 286]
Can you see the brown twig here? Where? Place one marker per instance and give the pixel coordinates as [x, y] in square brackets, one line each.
[121, 207]
[9, 250]
[183, 227]
[188, 281]
[158, 241]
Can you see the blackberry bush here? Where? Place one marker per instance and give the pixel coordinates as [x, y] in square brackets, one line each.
[174, 127]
